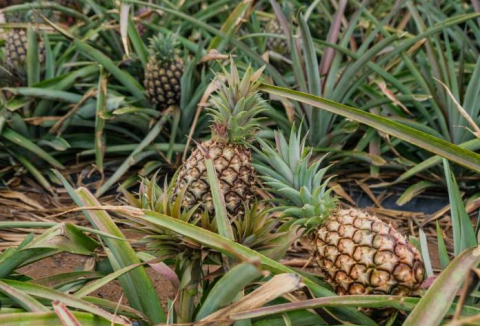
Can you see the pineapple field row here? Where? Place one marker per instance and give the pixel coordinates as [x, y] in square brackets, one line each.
[245, 162]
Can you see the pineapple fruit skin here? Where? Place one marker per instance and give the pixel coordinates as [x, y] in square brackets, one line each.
[360, 254]
[16, 48]
[275, 44]
[234, 172]
[162, 81]
[15, 52]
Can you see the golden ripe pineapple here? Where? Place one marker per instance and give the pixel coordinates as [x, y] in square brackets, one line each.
[235, 106]
[164, 71]
[357, 252]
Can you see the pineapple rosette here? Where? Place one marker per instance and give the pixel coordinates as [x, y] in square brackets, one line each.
[357, 252]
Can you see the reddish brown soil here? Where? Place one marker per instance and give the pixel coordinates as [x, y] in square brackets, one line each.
[64, 263]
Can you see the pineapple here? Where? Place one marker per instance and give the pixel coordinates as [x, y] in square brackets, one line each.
[357, 252]
[235, 106]
[276, 44]
[164, 71]
[15, 54]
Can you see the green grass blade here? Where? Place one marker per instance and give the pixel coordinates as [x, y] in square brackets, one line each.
[60, 280]
[18, 139]
[100, 121]
[48, 94]
[413, 191]
[123, 168]
[227, 288]
[123, 77]
[49, 57]
[50, 319]
[221, 217]
[432, 308]
[471, 145]
[86, 290]
[425, 253]
[139, 47]
[33, 65]
[46, 293]
[23, 300]
[136, 284]
[36, 225]
[231, 24]
[463, 230]
[34, 171]
[435, 145]
[442, 248]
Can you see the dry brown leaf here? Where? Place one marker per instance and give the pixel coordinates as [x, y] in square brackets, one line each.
[213, 55]
[278, 286]
[22, 197]
[338, 189]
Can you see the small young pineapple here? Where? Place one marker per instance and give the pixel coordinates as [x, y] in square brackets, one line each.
[236, 106]
[276, 44]
[164, 71]
[358, 253]
[15, 54]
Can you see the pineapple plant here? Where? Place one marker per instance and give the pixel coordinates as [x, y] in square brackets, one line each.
[256, 229]
[164, 71]
[235, 107]
[357, 252]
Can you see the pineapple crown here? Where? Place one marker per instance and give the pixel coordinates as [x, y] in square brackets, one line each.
[296, 179]
[236, 105]
[164, 47]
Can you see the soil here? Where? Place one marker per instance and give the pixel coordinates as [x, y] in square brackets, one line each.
[65, 263]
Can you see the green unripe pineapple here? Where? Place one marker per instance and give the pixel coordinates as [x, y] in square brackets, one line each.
[15, 56]
[163, 72]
